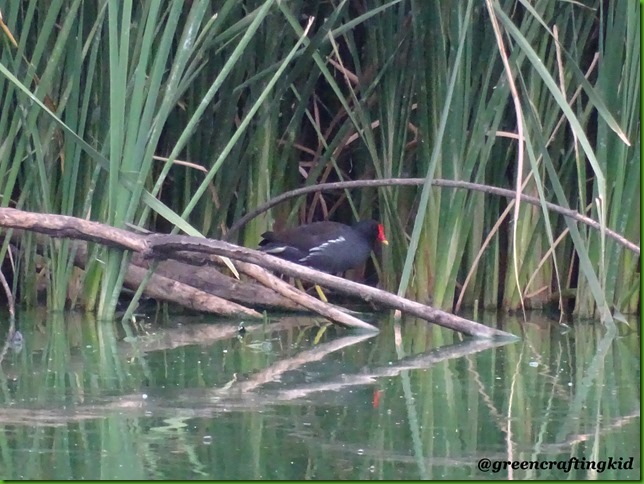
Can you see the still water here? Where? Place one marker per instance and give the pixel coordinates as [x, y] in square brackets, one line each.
[295, 399]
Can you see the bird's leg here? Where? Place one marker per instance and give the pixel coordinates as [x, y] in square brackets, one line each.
[321, 294]
[318, 289]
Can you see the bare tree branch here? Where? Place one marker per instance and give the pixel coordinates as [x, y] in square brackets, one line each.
[502, 192]
[192, 250]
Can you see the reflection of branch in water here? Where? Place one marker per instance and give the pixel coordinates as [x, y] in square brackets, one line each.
[239, 395]
[273, 372]
[205, 334]
[368, 377]
[574, 439]
[199, 399]
[463, 461]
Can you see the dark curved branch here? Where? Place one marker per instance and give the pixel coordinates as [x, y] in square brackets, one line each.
[502, 192]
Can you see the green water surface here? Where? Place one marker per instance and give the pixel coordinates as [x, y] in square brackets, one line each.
[295, 399]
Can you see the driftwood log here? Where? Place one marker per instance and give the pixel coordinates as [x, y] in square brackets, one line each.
[200, 251]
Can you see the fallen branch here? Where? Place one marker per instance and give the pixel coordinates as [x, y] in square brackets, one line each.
[302, 298]
[182, 247]
[64, 226]
[201, 289]
[191, 250]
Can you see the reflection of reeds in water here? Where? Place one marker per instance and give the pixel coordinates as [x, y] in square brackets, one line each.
[442, 405]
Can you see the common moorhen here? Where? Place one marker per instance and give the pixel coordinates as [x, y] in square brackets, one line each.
[326, 246]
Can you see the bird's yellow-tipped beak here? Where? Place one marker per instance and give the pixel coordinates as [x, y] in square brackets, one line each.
[381, 235]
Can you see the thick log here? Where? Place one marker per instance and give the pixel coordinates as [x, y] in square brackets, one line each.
[210, 280]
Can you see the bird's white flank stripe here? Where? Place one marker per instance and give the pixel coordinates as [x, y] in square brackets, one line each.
[321, 247]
